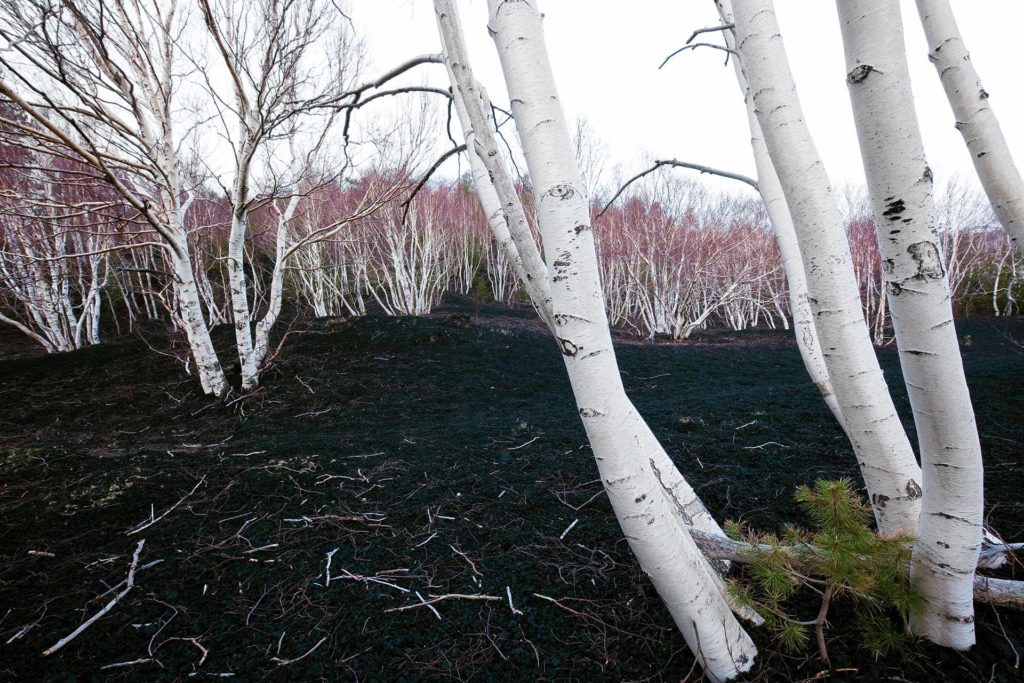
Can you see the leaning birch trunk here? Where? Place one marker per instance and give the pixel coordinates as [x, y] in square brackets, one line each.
[977, 123]
[883, 451]
[770, 189]
[900, 184]
[621, 441]
[505, 215]
[507, 220]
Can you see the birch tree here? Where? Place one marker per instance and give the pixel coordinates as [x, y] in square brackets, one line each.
[975, 118]
[770, 189]
[272, 53]
[99, 83]
[949, 533]
[627, 453]
[880, 444]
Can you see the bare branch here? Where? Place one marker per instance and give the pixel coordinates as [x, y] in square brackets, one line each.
[694, 46]
[679, 164]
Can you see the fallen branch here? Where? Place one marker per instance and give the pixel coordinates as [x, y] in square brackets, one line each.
[286, 662]
[429, 606]
[434, 599]
[508, 591]
[153, 520]
[372, 579]
[1003, 592]
[993, 554]
[130, 583]
[118, 665]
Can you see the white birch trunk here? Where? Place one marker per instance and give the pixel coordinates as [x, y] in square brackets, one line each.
[261, 342]
[505, 215]
[621, 441]
[975, 119]
[208, 367]
[900, 184]
[497, 195]
[239, 296]
[883, 451]
[770, 189]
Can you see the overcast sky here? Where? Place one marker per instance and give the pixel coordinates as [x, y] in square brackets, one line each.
[606, 58]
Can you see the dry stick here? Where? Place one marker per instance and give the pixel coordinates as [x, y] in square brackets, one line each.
[429, 539]
[286, 662]
[466, 558]
[130, 583]
[429, 606]
[118, 665]
[152, 520]
[330, 556]
[508, 590]
[356, 577]
[1000, 549]
[138, 571]
[448, 596]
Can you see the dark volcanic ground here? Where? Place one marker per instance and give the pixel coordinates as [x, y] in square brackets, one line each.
[434, 456]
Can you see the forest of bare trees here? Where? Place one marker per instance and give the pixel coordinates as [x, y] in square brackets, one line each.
[172, 167]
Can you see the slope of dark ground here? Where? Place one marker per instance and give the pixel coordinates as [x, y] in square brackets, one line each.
[434, 456]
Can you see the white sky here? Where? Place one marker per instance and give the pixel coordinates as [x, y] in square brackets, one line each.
[605, 59]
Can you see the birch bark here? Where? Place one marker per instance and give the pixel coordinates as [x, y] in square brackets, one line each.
[261, 337]
[975, 119]
[622, 443]
[770, 189]
[883, 451]
[900, 184]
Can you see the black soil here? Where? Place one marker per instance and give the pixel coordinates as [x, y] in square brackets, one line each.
[434, 456]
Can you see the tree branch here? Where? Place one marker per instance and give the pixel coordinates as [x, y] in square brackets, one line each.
[426, 176]
[694, 46]
[680, 164]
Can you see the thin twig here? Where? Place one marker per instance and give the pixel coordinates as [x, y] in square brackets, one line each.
[152, 520]
[694, 46]
[524, 445]
[286, 662]
[429, 606]
[709, 29]
[440, 598]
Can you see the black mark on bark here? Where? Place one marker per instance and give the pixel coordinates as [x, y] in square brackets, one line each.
[860, 73]
[894, 208]
[568, 348]
[562, 192]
